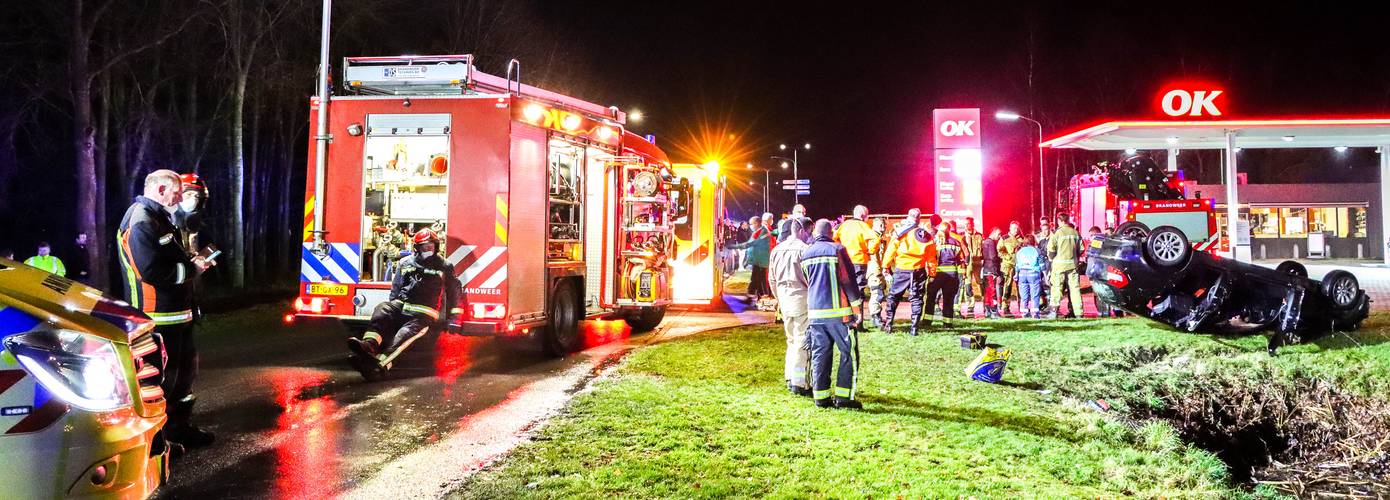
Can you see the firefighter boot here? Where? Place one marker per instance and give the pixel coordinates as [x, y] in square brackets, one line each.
[363, 358]
[847, 403]
[799, 391]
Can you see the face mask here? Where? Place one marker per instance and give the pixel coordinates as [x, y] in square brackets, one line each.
[425, 255]
[189, 206]
[172, 209]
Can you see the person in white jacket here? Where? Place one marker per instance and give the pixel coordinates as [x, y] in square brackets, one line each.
[789, 287]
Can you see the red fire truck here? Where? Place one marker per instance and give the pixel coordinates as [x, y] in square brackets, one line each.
[1136, 195]
[551, 211]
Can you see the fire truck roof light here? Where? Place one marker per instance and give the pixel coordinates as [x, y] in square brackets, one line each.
[533, 112]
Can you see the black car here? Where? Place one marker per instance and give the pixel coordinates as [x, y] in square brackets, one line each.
[1158, 275]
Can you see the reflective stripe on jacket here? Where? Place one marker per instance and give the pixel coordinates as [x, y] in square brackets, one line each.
[830, 289]
[155, 267]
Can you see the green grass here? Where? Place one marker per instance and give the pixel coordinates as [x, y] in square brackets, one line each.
[708, 417]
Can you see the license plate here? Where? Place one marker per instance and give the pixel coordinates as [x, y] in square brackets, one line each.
[327, 289]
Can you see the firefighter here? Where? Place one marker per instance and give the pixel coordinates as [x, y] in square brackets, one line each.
[860, 241]
[950, 257]
[46, 261]
[1064, 252]
[876, 277]
[189, 217]
[970, 270]
[158, 274]
[1007, 247]
[831, 296]
[789, 288]
[907, 260]
[424, 285]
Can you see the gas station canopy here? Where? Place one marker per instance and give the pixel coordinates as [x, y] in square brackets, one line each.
[1212, 134]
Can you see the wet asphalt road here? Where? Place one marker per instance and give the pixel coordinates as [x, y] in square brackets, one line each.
[294, 421]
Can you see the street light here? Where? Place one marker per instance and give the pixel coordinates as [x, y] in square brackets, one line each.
[767, 179]
[635, 115]
[793, 160]
[1010, 116]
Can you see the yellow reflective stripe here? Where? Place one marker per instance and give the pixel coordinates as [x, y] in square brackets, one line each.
[819, 260]
[829, 313]
[171, 318]
[821, 394]
[948, 269]
[372, 336]
[416, 308]
[456, 310]
[842, 392]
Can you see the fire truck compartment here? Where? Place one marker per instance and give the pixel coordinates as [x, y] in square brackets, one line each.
[405, 186]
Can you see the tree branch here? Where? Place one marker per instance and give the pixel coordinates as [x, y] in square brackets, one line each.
[115, 59]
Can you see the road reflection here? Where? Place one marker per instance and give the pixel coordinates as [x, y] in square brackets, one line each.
[306, 456]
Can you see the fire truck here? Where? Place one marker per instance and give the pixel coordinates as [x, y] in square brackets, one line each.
[549, 209]
[1136, 195]
[698, 279]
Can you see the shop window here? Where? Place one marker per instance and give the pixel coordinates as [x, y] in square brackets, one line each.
[1322, 220]
[1264, 222]
[1357, 222]
[1295, 222]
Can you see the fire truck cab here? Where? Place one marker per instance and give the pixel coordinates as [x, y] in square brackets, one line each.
[549, 210]
[1134, 195]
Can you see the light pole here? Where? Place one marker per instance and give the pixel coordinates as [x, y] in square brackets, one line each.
[1012, 116]
[766, 180]
[795, 172]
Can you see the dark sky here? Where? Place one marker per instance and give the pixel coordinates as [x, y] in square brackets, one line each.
[859, 80]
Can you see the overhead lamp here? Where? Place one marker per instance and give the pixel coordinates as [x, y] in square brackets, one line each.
[749, 166]
[1130, 151]
[784, 164]
[1287, 138]
[807, 146]
[1341, 149]
[782, 147]
[1006, 115]
[1172, 140]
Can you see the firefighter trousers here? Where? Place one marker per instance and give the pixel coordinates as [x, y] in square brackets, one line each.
[179, 370]
[946, 285]
[825, 338]
[912, 283]
[797, 369]
[861, 281]
[1072, 280]
[1006, 280]
[876, 292]
[969, 291]
[394, 329]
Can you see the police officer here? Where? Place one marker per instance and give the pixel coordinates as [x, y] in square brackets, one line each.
[425, 285]
[1064, 251]
[860, 241]
[831, 296]
[789, 288]
[950, 256]
[907, 259]
[157, 274]
[1007, 247]
[970, 270]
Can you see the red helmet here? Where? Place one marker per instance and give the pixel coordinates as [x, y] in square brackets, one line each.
[425, 236]
[193, 182]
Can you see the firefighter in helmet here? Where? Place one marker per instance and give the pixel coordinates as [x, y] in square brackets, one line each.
[425, 285]
[189, 217]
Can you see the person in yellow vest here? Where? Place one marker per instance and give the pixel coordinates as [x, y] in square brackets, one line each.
[46, 261]
[1007, 247]
[1064, 251]
[861, 242]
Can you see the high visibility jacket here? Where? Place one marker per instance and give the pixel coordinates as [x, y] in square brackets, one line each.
[48, 263]
[1063, 248]
[784, 274]
[859, 239]
[1007, 247]
[831, 292]
[156, 269]
[427, 286]
[950, 254]
[914, 250]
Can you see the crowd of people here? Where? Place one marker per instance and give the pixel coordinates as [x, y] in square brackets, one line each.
[833, 279]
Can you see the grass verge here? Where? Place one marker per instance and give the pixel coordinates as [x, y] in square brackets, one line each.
[707, 417]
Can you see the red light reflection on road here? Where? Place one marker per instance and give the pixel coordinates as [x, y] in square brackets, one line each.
[600, 332]
[307, 432]
[453, 357]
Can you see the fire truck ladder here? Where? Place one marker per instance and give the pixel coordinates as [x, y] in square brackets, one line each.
[408, 75]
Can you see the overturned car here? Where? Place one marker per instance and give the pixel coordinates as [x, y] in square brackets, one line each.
[1157, 274]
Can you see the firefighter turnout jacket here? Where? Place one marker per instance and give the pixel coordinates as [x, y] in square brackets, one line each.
[1063, 248]
[950, 254]
[860, 240]
[830, 289]
[155, 267]
[912, 251]
[427, 286]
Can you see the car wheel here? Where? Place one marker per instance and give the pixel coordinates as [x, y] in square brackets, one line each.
[1341, 288]
[562, 332]
[1293, 268]
[1168, 247]
[1133, 230]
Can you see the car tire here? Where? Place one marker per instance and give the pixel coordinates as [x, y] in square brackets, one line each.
[1167, 247]
[1293, 268]
[562, 331]
[646, 319]
[1133, 230]
[1341, 288]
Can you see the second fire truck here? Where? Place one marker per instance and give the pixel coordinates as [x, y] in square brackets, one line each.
[551, 211]
[1134, 195]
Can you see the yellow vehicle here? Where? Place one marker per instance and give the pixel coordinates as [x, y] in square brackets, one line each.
[81, 412]
[698, 279]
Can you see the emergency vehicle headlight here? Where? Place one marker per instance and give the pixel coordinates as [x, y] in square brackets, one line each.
[80, 369]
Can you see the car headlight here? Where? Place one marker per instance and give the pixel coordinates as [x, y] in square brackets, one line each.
[82, 370]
